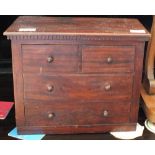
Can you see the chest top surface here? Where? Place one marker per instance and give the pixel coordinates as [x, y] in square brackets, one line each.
[42, 25]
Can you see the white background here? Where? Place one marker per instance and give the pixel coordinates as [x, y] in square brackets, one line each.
[77, 7]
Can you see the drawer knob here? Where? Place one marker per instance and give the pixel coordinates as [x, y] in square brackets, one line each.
[50, 88]
[105, 113]
[107, 86]
[50, 59]
[51, 115]
[109, 60]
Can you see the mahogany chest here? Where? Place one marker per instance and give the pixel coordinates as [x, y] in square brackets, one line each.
[76, 74]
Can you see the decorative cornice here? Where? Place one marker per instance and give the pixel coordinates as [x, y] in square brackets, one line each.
[73, 37]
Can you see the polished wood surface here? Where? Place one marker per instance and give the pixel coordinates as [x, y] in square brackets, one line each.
[76, 25]
[108, 59]
[61, 81]
[78, 88]
[73, 114]
[148, 86]
[149, 79]
[148, 105]
[46, 59]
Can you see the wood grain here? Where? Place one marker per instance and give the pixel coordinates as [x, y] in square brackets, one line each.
[72, 113]
[149, 78]
[76, 129]
[65, 59]
[63, 81]
[77, 26]
[108, 59]
[78, 88]
[18, 83]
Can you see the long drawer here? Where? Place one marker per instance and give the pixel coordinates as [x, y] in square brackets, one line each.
[72, 113]
[78, 87]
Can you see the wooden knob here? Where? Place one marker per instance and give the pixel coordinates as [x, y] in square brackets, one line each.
[109, 60]
[107, 86]
[51, 115]
[50, 59]
[50, 88]
[105, 113]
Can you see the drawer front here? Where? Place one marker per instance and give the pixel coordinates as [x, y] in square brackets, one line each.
[108, 59]
[50, 58]
[71, 113]
[78, 87]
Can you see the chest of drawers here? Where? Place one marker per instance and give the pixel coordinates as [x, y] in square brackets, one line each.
[76, 75]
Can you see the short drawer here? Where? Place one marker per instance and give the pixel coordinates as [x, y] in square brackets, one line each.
[72, 113]
[78, 87]
[46, 59]
[105, 59]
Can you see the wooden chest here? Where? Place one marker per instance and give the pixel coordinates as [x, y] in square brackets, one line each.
[76, 75]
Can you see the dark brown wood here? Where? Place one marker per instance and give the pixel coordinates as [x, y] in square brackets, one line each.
[65, 59]
[59, 27]
[75, 114]
[78, 87]
[18, 83]
[76, 129]
[137, 81]
[75, 75]
[98, 59]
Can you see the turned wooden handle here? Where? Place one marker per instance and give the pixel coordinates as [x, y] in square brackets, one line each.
[107, 86]
[51, 115]
[105, 113]
[109, 60]
[50, 88]
[50, 59]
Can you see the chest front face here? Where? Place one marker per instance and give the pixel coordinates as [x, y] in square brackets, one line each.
[76, 84]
